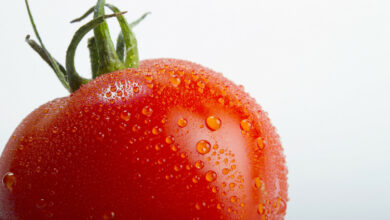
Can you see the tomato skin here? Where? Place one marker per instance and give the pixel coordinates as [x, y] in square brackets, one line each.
[169, 140]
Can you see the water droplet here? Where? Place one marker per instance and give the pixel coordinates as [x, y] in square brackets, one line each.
[125, 115]
[225, 171]
[113, 88]
[175, 81]
[156, 130]
[108, 215]
[259, 184]
[246, 125]
[195, 179]
[48, 214]
[149, 77]
[203, 147]
[233, 199]
[210, 176]
[197, 206]
[164, 119]
[169, 140]
[182, 122]
[41, 204]
[260, 143]
[183, 155]
[147, 111]
[136, 128]
[177, 168]
[54, 130]
[51, 204]
[174, 147]
[200, 84]
[213, 123]
[199, 164]
[9, 180]
[279, 206]
[260, 209]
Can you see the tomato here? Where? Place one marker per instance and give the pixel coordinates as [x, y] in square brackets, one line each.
[168, 140]
[157, 139]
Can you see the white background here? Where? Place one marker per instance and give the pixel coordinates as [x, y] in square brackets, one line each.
[320, 68]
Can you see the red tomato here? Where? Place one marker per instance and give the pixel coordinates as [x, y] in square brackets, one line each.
[169, 140]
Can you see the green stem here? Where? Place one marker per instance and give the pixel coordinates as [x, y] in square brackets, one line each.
[108, 59]
[132, 59]
[94, 56]
[39, 50]
[90, 11]
[125, 39]
[104, 57]
[53, 63]
[75, 81]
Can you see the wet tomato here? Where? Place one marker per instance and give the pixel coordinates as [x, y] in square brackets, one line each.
[168, 140]
[160, 139]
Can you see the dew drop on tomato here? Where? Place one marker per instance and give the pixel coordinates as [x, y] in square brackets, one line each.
[260, 209]
[260, 143]
[174, 148]
[176, 168]
[211, 176]
[108, 215]
[149, 78]
[203, 147]
[213, 123]
[125, 115]
[259, 184]
[156, 130]
[169, 140]
[197, 206]
[175, 81]
[199, 164]
[9, 180]
[225, 171]
[41, 204]
[233, 199]
[147, 111]
[245, 125]
[182, 122]
[54, 130]
[201, 84]
[279, 206]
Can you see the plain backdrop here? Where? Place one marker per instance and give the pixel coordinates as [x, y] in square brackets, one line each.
[320, 68]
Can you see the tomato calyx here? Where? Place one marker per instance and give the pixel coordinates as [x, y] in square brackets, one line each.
[105, 58]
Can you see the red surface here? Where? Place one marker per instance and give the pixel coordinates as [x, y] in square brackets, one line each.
[141, 144]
